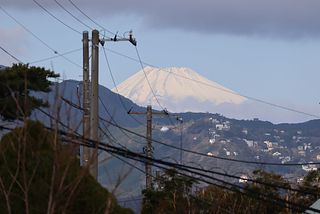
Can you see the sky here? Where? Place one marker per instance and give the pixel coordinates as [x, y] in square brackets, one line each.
[268, 50]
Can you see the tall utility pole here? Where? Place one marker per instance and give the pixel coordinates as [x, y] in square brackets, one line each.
[181, 130]
[148, 148]
[85, 96]
[149, 151]
[91, 95]
[94, 111]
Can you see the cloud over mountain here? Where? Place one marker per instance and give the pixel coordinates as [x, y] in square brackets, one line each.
[272, 18]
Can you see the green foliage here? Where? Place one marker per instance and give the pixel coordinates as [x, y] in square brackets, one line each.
[36, 169]
[266, 192]
[172, 195]
[175, 194]
[16, 83]
[310, 184]
[213, 199]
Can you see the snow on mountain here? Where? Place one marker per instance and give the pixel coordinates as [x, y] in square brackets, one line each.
[177, 89]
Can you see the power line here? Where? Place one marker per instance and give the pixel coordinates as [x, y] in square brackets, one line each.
[76, 18]
[112, 139]
[38, 38]
[199, 153]
[186, 167]
[128, 153]
[29, 31]
[138, 157]
[217, 157]
[112, 119]
[12, 56]
[152, 91]
[56, 18]
[246, 179]
[55, 56]
[218, 88]
[83, 13]
[116, 87]
[251, 193]
[146, 77]
[140, 61]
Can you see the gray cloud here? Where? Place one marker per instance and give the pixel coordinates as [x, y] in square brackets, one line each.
[275, 18]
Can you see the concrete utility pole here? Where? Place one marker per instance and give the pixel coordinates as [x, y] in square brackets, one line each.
[148, 148]
[181, 130]
[91, 95]
[85, 96]
[94, 111]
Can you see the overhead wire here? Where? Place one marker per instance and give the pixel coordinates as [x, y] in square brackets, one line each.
[37, 37]
[300, 112]
[11, 55]
[77, 135]
[55, 56]
[92, 20]
[26, 29]
[160, 161]
[141, 62]
[157, 178]
[187, 167]
[55, 17]
[251, 193]
[199, 153]
[218, 88]
[116, 87]
[287, 109]
[150, 86]
[71, 14]
[110, 137]
[68, 128]
[257, 195]
[138, 157]
[146, 77]
[112, 119]
[217, 157]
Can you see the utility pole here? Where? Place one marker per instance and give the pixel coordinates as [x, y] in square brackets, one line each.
[148, 148]
[91, 96]
[94, 111]
[181, 130]
[85, 97]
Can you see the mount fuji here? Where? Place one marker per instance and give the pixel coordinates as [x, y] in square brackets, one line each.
[178, 90]
[184, 90]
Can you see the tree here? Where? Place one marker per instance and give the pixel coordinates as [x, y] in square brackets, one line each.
[16, 83]
[310, 184]
[212, 199]
[41, 174]
[266, 192]
[172, 195]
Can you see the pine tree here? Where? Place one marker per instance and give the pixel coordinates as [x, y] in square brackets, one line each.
[16, 84]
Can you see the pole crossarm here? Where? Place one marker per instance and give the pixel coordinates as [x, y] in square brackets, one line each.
[130, 39]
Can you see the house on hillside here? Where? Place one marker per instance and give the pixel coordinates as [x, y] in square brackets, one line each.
[225, 126]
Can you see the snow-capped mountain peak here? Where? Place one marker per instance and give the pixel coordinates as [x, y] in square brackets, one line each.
[177, 89]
